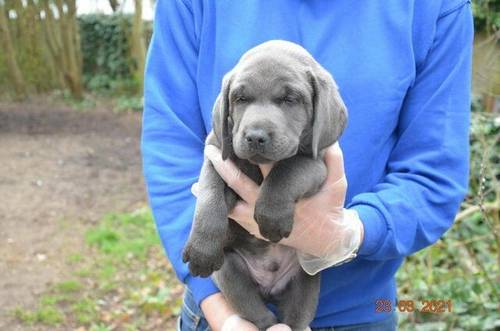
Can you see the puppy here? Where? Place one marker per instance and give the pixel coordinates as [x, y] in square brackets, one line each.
[277, 105]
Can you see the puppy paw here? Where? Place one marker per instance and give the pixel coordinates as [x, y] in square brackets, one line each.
[275, 220]
[203, 260]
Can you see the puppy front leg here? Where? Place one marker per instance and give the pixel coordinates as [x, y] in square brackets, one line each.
[288, 181]
[204, 249]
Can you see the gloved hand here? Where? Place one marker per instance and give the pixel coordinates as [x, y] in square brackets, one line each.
[324, 233]
[236, 323]
[222, 317]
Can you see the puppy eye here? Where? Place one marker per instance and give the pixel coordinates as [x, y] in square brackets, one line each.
[289, 100]
[240, 99]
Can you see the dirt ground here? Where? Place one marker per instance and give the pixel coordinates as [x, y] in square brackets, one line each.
[60, 171]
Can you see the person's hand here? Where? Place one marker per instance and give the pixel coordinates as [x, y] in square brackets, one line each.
[236, 323]
[324, 232]
[221, 316]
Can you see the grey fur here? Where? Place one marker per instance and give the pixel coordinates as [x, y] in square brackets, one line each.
[276, 105]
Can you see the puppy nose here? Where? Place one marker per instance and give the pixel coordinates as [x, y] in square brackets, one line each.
[256, 138]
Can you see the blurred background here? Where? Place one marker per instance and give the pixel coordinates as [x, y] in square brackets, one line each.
[78, 247]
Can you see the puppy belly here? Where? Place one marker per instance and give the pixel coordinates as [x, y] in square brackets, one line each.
[273, 269]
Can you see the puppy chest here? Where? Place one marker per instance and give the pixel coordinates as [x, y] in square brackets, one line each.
[273, 268]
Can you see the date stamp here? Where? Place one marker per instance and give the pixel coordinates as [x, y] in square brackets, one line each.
[410, 306]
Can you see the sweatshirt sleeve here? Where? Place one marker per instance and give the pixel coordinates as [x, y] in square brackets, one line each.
[427, 172]
[173, 133]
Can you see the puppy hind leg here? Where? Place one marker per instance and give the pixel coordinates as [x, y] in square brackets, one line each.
[235, 282]
[297, 304]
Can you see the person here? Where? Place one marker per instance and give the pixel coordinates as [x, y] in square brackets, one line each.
[404, 72]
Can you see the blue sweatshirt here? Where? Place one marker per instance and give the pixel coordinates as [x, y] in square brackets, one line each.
[403, 68]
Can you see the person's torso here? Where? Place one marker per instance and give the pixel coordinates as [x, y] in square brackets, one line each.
[373, 49]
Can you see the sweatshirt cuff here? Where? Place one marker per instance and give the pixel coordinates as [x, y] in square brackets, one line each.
[201, 287]
[375, 229]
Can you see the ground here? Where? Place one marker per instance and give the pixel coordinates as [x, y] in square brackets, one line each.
[61, 170]
[79, 251]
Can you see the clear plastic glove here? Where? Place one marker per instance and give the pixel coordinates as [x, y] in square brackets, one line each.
[324, 233]
[236, 323]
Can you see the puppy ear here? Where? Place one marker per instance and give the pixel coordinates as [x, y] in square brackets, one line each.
[329, 111]
[221, 123]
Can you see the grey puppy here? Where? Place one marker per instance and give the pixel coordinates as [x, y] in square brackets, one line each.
[276, 105]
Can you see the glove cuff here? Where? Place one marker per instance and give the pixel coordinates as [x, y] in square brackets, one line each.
[352, 241]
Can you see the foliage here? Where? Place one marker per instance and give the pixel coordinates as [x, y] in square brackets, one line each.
[122, 281]
[107, 63]
[128, 104]
[105, 50]
[486, 15]
[108, 67]
[463, 265]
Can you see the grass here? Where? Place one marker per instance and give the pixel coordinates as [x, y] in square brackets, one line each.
[69, 286]
[122, 281]
[47, 314]
[74, 258]
[85, 311]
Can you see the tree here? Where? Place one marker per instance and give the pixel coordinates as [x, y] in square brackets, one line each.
[10, 55]
[49, 29]
[52, 41]
[70, 50]
[138, 47]
[48, 41]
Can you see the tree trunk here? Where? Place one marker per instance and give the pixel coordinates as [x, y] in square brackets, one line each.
[37, 62]
[48, 44]
[10, 56]
[76, 49]
[137, 44]
[71, 52]
[114, 5]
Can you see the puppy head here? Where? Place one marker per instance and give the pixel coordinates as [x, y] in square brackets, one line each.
[277, 102]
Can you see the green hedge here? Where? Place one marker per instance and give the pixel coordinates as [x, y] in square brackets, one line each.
[486, 15]
[105, 52]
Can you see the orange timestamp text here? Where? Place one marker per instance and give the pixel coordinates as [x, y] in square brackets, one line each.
[410, 306]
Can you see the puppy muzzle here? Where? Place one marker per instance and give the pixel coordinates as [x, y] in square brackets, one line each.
[257, 140]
